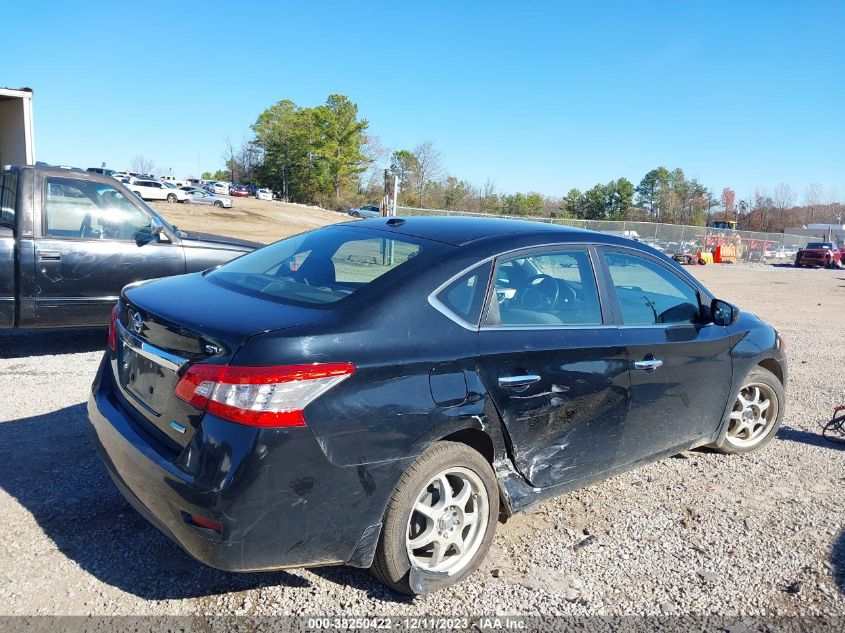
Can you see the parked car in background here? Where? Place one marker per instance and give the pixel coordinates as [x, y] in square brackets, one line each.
[101, 170]
[66, 253]
[266, 414]
[155, 190]
[199, 196]
[825, 254]
[240, 191]
[219, 188]
[368, 211]
[264, 194]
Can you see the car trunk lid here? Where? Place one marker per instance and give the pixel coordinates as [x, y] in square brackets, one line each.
[165, 327]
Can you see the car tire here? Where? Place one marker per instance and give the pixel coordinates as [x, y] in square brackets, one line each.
[172, 199]
[752, 423]
[218, 204]
[421, 487]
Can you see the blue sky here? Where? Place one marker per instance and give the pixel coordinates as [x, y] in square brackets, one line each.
[536, 96]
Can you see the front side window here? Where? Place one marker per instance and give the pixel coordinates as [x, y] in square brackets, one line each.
[324, 266]
[649, 294]
[91, 210]
[551, 288]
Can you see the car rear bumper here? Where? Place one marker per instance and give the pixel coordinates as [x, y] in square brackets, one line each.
[279, 501]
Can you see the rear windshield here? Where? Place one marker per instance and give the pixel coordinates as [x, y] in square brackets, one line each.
[819, 246]
[325, 266]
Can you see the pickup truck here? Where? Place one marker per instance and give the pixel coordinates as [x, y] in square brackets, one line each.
[70, 240]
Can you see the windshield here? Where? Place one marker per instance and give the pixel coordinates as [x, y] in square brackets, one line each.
[325, 266]
[819, 245]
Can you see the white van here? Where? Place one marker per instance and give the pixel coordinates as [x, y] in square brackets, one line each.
[155, 190]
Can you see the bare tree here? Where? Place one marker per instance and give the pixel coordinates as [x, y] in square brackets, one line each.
[229, 157]
[429, 166]
[376, 155]
[834, 209]
[783, 197]
[141, 165]
[813, 195]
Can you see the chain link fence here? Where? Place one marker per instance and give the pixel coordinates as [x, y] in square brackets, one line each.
[670, 238]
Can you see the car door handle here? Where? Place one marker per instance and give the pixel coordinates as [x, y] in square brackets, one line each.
[648, 365]
[514, 382]
[49, 256]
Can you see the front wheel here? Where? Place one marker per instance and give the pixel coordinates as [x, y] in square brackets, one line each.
[218, 204]
[756, 415]
[171, 198]
[439, 522]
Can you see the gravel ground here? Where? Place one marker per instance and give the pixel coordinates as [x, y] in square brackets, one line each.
[699, 533]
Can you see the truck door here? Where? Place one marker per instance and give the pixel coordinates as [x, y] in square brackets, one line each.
[8, 273]
[93, 241]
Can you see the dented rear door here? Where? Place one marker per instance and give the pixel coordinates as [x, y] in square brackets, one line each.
[555, 364]
[568, 423]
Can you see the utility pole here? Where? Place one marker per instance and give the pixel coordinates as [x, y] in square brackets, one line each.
[395, 194]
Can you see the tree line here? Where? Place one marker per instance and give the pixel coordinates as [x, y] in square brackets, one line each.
[325, 155]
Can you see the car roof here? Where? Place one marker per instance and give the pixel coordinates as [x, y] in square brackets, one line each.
[459, 231]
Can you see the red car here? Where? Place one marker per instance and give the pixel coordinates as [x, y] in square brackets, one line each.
[239, 191]
[820, 254]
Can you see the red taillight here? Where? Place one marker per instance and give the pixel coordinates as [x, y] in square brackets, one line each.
[260, 396]
[113, 327]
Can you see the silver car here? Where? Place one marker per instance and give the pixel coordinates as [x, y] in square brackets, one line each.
[198, 196]
[368, 211]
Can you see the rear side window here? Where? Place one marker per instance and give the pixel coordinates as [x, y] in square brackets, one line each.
[8, 195]
[326, 265]
[465, 296]
[545, 289]
[649, 294]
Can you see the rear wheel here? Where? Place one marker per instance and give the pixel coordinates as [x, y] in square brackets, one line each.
[171, 197]
[756, 415]
[439, 522]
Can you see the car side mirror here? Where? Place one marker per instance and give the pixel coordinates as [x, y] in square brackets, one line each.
[723, 313]
[157, 230]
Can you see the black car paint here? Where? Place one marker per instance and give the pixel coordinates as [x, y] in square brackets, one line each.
[49, 281]
[316, 495]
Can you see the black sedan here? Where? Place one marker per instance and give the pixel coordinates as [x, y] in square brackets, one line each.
[380, 393]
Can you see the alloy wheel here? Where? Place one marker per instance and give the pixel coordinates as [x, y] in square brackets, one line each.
[753, 414]
[448, 521]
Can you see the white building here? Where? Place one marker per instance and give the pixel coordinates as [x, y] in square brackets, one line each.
[17, 146]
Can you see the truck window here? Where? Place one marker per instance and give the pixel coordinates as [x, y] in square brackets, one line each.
[8, 193]
[90, 210]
